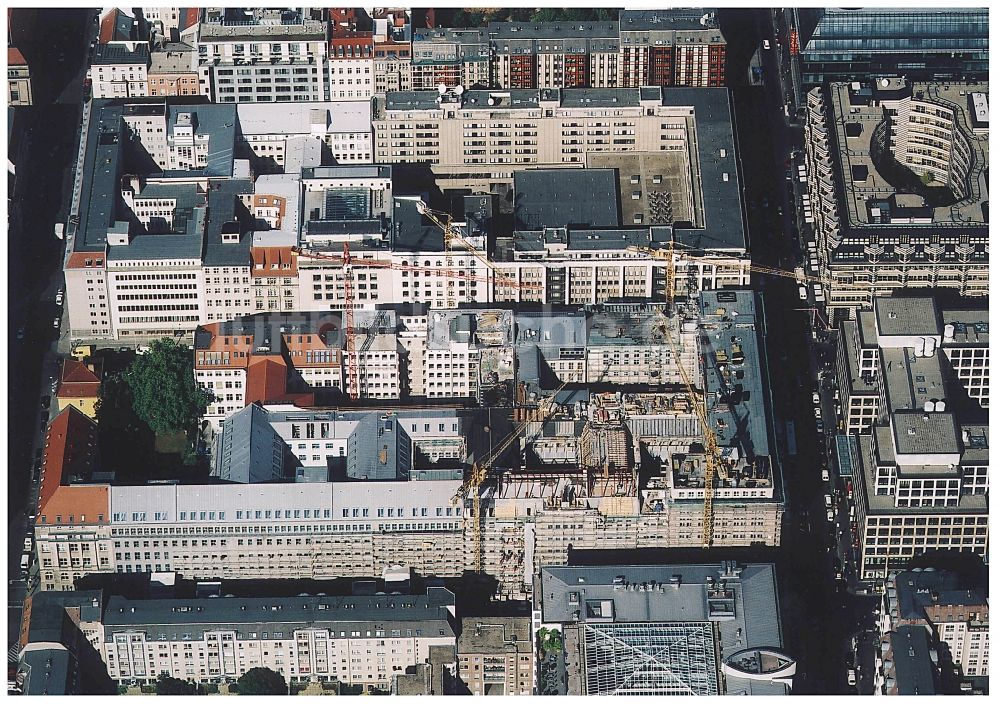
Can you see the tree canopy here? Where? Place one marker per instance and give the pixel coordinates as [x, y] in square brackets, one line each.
[164, 392]
[260, 680]
[166, 685]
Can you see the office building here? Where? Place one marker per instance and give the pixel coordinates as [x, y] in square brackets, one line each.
[920, 476]
[496, 655]
[18, 78]
[929, 621]
[960, 340]
[897, 188]
[923, 44]
[262, 55]
[671, 629]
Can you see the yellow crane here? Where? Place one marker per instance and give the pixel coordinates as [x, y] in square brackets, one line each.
[713, 464]
[668, 255]
[447, 225]
[480, 470]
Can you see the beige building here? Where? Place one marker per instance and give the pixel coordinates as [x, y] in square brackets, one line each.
[18, 78]
[496, 655]
[173, 71]
[354, 640]
[897, 189]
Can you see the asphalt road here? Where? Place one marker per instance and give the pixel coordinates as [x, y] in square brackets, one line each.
[819, 615]
[55, 43]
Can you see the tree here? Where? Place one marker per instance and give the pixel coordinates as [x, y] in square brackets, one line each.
[164, 392]
[166, 685]
[261, 680]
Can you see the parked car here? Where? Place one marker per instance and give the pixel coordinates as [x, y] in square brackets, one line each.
[829, 515]
[852, 677]
[803, 294]
[828, 500]
[818, 412]
[59, 297]
[27, 544]
[45, 401]
[20, 333]
[826, 475]
[55, 323]
[816, 398]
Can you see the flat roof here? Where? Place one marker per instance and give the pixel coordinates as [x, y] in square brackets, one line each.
[301, 118]
[564, 197]
[905, 316]
[932, 433]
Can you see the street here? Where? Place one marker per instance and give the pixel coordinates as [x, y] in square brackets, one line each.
[41, 199]
[817, 608]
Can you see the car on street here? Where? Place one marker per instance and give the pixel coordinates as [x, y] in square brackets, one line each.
[55, 323]
[27, 544]
[829, 515]
[20, 333]
[818, 412]
[59, 297]
[43, 424]
[803, 293]
[45, 401]
[828, 500]
[826, 475]
[852, 677]
[816, 398]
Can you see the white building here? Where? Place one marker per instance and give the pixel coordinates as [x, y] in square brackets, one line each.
[119, 72]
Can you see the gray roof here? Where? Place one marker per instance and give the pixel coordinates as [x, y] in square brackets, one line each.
[411, 232]
[106, 54]
[183, 619]
[49, 671]
[175, 57]
[247, 449]
[747, 417]
[746, 614]
[933, 433]
[665, 19]
[495, 635]
[563, 197]
[912, 659]
[223, 206]
[916, 591]
[379, 450]
[911, 315]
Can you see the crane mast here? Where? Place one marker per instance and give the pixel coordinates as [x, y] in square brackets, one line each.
[353, 378]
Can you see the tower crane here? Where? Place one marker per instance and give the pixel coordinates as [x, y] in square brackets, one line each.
[713, 463]
[480, 470]
[770, 270]
[447, 225]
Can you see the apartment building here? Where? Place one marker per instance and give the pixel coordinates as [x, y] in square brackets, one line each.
[173, 70]
[355, 640]
[450, 57]
[947, 614]
[18, 78]
[496, 655]
[897, 187]
[351, 56]
[525, 55]
[262, 55]
[393, 37]
[921, 475]
[958, 337]
[116, 71]
[669, 629]
[670, 47]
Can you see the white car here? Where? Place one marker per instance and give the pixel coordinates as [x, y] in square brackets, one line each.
[818, 412]
[826, 475]
[803, 294]
[59, 298]
[828, 500]
[815, 398]
[852, 677]
[767, 44]
[55, 323]
[829, 515]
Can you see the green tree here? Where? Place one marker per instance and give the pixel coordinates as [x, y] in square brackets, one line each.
[546, 14]
[166, 685]
[164, 392]
[261, 680]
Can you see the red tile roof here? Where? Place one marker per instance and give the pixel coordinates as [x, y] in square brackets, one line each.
[108, 23]
[15, 57]
[71, 450]
[78, 381]
[267, 379]
[274, 261]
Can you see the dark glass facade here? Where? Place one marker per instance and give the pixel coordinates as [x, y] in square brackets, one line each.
[922, 44]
